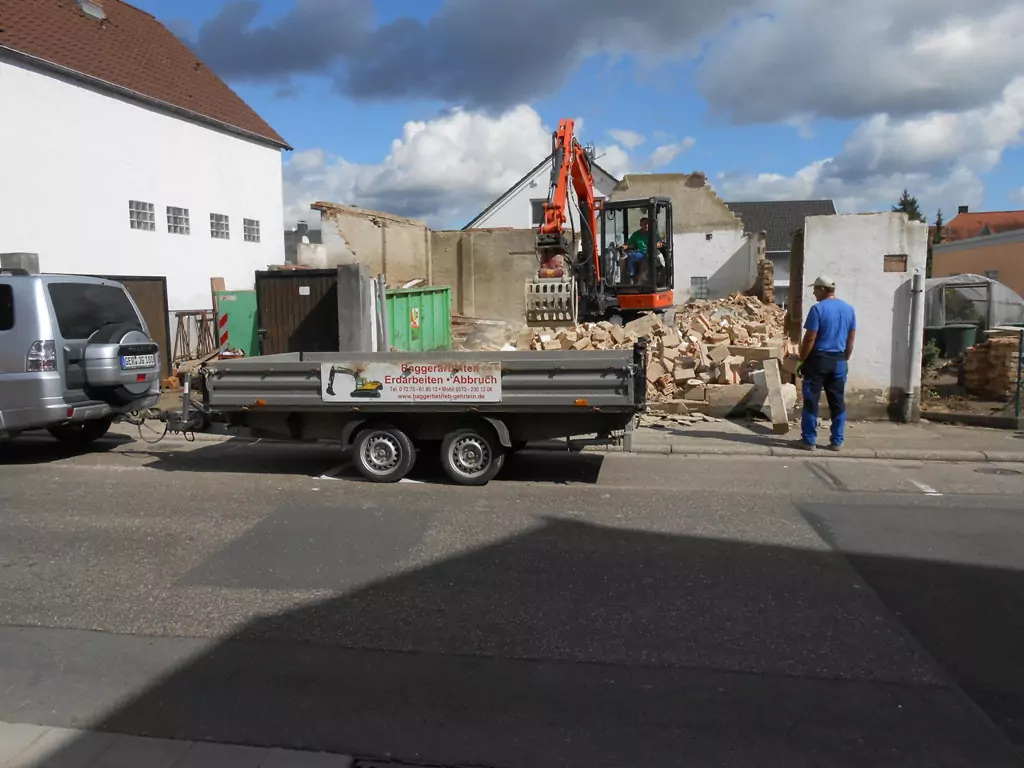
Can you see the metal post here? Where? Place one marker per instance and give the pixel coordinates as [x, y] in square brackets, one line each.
[913, 390]
[382, 303]
[1020, 365]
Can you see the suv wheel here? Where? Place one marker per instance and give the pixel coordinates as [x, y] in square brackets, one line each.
[81, 433]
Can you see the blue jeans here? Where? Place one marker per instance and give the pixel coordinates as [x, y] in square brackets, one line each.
[633, 259]
[824, 371]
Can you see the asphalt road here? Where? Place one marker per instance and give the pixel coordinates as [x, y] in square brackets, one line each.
[581, 611]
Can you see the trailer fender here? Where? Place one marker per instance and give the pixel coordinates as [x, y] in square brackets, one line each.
[500, 430]
[350, 430]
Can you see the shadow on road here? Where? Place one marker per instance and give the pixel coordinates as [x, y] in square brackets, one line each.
[43, 449]
[574, 644]
[314, 459]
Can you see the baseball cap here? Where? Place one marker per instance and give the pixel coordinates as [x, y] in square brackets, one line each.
[824, 282]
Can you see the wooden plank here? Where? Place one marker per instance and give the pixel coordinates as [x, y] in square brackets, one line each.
[776, 402]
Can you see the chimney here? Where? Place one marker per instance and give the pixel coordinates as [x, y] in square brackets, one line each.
[963, 209]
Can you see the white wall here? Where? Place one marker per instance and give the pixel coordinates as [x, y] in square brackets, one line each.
[851, 250]
[728, 260]
[515, 210]
[72, 157]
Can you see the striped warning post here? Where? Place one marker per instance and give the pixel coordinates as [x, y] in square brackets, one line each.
[222, 329]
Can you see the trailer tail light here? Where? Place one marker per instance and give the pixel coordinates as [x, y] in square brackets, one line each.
[581, 402]
[42, 356]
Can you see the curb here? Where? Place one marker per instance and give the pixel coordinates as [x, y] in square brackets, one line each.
[909, 454]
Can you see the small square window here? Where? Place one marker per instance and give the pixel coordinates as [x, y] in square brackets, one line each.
[992, 274]
[251, 230]
[537, 212]
[141, 215]
[219, 226]
[895, 262]
[178, 221]
[6, 307]
[699, 288]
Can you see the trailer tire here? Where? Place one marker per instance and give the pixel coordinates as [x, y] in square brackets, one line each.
[471, 456]
[383, 453]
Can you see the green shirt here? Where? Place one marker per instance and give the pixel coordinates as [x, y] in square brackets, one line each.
[638, 241]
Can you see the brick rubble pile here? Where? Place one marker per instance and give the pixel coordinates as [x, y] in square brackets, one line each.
[990, 368]
[719, 342]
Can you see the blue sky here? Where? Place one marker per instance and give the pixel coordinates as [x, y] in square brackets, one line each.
[432, 107]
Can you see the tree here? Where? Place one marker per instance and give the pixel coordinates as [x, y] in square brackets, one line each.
[939, 224]
[909, 206]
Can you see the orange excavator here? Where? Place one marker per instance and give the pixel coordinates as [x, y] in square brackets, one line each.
[617, 265]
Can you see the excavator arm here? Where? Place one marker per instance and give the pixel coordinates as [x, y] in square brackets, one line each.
[571, 165]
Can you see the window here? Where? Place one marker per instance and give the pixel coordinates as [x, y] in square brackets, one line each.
[6, 307]
[178, 221]
[251, 230]
[219, 228]
[895, 262]
[699, 288]
[84, 308]
[992, 274]
[537, 212]
[141, 215]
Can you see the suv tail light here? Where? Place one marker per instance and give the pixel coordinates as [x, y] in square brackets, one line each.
[42, 356]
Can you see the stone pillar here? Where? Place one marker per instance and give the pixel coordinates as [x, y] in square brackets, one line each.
[355, 305]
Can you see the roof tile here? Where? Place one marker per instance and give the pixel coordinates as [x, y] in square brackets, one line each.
[965, 225]
[780, 218]
[130, 49]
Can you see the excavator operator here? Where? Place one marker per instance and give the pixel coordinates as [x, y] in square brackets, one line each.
[635, 251]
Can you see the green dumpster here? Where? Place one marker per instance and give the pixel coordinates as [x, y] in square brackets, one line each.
[237, 322]
[420, 319]
[959, 338]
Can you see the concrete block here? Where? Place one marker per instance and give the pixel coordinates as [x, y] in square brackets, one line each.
[655, 370]
[728, 399]
[776, 403]
[758, 353]
[719, 353]
[618, 334]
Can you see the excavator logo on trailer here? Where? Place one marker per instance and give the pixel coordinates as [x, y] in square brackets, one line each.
[363, 387]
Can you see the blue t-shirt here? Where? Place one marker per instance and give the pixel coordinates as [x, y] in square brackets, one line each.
[832, 320]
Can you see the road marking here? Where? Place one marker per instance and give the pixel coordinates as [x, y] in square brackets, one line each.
[332, 474]
[925, 489]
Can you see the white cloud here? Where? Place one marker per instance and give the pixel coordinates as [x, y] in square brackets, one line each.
[851, 60]
[628, 139]
[444, 170]
[666, 153]
[939, 157]
[1018, 196]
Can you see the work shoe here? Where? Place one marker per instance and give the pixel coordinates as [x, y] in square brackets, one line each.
[835, 448]
[804, 446]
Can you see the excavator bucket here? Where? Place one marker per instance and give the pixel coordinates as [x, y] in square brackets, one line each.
[550, 302]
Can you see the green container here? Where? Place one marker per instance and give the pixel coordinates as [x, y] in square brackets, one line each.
[936, 333]
[239, 309]
[420, 319]
[959, 338]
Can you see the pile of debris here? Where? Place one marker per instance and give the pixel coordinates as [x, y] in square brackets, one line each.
[990, 368]
[713, 343]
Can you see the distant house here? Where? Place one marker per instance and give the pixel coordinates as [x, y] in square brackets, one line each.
[123, 154]
[300, 234]
[981, 223]
[779, 219]
[521, 206]
[998, 256]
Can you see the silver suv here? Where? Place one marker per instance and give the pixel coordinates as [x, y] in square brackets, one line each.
[74, 354]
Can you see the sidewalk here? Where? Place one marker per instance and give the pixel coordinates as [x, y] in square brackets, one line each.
[864, 440]
[36, 746]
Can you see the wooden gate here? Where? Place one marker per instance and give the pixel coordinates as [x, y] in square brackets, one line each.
[298, 310]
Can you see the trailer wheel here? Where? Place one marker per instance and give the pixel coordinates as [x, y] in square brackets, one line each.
[383, 454]
[471, 456]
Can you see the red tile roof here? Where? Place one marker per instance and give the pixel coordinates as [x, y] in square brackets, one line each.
[130, 50]
[972, 224]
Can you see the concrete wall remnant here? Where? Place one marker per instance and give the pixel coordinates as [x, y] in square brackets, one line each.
[387, 244]
[852, 249]
[695, 205]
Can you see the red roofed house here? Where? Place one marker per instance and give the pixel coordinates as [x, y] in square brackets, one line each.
[966, 224]
[122, 154]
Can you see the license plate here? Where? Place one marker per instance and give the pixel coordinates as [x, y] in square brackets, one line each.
[137, 361]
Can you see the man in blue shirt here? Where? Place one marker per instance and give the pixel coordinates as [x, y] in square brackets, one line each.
[828, 343]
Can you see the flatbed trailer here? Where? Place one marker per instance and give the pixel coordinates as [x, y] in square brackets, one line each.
[471, 408]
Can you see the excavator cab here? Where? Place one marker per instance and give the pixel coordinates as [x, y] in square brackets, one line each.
[636, 251]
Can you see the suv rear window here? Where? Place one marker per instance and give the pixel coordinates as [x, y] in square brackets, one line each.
[6, 307]
[84, 308]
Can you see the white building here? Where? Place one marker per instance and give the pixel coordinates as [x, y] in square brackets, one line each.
[122, 154]
[522, 205]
